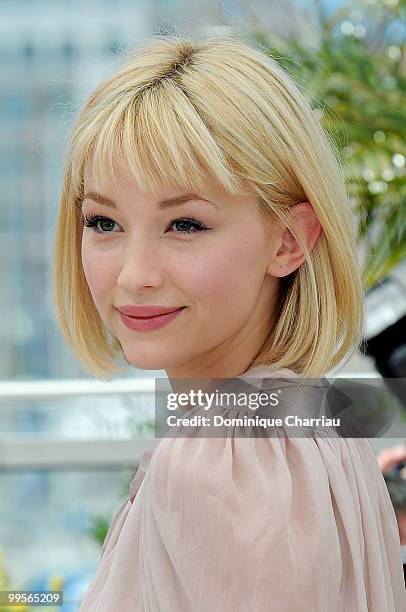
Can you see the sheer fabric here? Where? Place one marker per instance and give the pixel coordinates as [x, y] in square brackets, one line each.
[253, 524]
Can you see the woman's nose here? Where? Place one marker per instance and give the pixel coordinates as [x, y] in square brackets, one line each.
[140, 266]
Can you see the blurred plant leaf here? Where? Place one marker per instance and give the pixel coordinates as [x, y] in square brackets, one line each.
[356, 78]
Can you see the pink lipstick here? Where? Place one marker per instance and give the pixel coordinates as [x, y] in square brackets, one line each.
[145, 318]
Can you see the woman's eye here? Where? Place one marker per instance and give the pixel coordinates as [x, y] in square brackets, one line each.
[106, 224]
[190, 222]
[93, 221]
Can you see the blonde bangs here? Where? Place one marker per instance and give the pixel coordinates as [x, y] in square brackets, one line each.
[159, 139]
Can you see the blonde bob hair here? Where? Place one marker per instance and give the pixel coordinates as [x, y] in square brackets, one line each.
[177, 109]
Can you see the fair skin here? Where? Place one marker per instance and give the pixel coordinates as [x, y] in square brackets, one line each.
[388, 459]
[401, 520]
[226, 276]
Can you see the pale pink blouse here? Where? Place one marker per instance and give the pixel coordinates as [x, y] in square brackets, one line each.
[254, 524]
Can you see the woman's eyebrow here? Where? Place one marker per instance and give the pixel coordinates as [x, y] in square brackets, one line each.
[166, 203]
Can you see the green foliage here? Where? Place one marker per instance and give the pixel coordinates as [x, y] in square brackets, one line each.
[355, 80]
[99, 528]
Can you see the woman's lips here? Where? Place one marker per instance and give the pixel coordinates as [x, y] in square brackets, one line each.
[147, 310]
[149, 323]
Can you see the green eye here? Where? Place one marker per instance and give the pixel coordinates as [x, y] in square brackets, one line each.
[189, 222]
[94, 220]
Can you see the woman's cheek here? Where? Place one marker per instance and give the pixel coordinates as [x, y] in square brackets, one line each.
[98, 271]
[88, 264]
[214, 281]
[234, 278]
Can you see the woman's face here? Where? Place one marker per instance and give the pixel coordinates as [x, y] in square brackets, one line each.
[218, 271]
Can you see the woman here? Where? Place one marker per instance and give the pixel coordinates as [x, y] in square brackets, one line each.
[200, 182]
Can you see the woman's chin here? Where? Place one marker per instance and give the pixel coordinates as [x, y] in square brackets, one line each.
[151, 361]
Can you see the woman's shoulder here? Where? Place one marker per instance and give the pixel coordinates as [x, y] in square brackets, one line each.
[303, 470]
[282, 511]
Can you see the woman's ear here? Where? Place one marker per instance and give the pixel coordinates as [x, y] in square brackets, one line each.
[289, 256]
